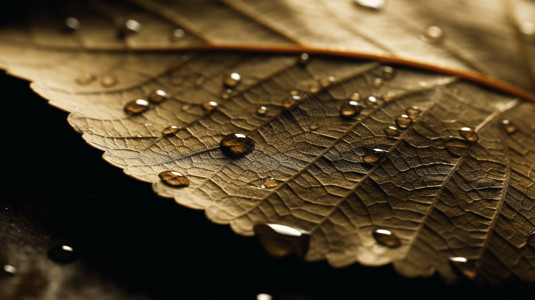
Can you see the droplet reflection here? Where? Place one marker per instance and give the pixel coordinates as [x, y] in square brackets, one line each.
[232, 80]
[508, 126]
[350, 110]
[136, 106]
[403, 121]
[174, 179]
[386, 238]
[158, 96]
[464, 266]
[468, 134]
[169, 130]
[391, 131]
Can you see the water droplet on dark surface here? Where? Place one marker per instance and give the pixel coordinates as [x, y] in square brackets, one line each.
[464, 266]
[281, 240]
[403, 121]
[108, 81]
[63, 254]
[386, 238]
[177, 34]
[468, 134]
[232, 80]
[209, 106]
[236, 145]
[391, 131]
[508, 126]
[327, 82]
[377, 82]
[387, 72]
[269, 182]
[85, 79]
[158, 96]
[130, 26]
[314, 126]
[455, 146]
[371, 101]
[373, 155]
[434, 34]
[350, 110]
[9, 270]
[413, 112]
[371, 4]
[72, 24]
[136, 106]
[261, 110]
[169, 130]
[174, 179]
[303, 59]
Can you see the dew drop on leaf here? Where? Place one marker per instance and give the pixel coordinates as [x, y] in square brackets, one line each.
[464, 266]
[177, 34]
[226, 94]
[269, 182]
[386, 238]
[174, 179]
[373, 155]
[468, 134]
[327, 82]
[72, 24]
[371, 101]
[169, 130]
[303, 59]
[314, 126]
[292, 99]
[63, 254]
[391, 131]
[261, 110]
[280, 240]
[130, 26]
[508, 126]
[158, 96]
[136, 106]
[85, 79]
[9, 270]
[232, 80]
[350, 110]
[355, 97]
[371, 4]
[108, 81]
[403, 121]
[377, 82]
[387, 72]
[434, 34]
[413, 112]
[209, 106]
[236, 144]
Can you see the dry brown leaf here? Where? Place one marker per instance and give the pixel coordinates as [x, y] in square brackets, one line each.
[426, 194]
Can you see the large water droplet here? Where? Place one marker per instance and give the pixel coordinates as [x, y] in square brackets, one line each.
[371, 101]
[108, 81]
[350, 110]
[174, 179]
[209, 106]
[391, 131]
[63, 254]
[232, 80]
[387, 72]
[373, 155]
[280, 240]
[403, 121]
[85, 79]
[464, 266]
[434, 34]
[72, 24]
[177, 34]
[371, 4]
[158, 96]
[456, 147]
[130, 26]
[261, 110]
[169, 130]
[508, 126]
[236, 144]
[386, 238]
[9, 270]
[303, 59]
[269, 182]
[468, 134]
[136, 106]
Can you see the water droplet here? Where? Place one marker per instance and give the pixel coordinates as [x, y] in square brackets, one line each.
[72, 24]
[85, 79]
[350, 109]
[314, 126]
[413, 112]
[269, 182]
[403, 121]
[148, 124]
[261, 110]
[303, 59]
[508, 126]
[136, 106]
[62, 254]
[527, 28]
[236, 144]
[468, 134]
[185, 107]
[226, 94]
[200, 81]
[456, 147]
[314, 89]
[9, 270]
[292, 99]
[373, 156]
[174, 179]
[232, 80]
[377, 82]
[386, 238]
[108, 81]
[209, 106]
[387, 72]
[464, 266]
[280, 240]
[177, 34]
[371, 4]
[434, 34]
[355, 97]
[391, 131]
[264, 296]
[371, 101]
[158, 96]
[169, 130]
[327, 82]
[130, 26]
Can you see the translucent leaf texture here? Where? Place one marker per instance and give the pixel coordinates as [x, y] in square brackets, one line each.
[444, 187]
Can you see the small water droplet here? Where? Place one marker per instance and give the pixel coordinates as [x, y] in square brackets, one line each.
[85, 79]
[527, 28]
[434, 34]
[413, 112]
[200, 81]
[355, 97]
[174, 179]
[63, 254]
[130, 26]
[210, 105]
[350, 110]
[456, 147]
[148, 124]
[177, 34]
[292, 99]
[264, 296]
[232, 80]
[373, 155]
[169, 130]
[386, 238]
[303, 59]
[387, 72]
[371, 101]
[108, 81]
[389, 96]
[185, 107]
[377, 82]
[464, 266]
[269, 182]
[468, 134]
[158, 96]
[236, 144]
[403, 121]
[72, 24]
[9, 270]
[136, 106]
[314, 126]
[508, 126]
[226, 94]
[391, 131]
[261, 110]
[371, 4]
[314, 89]
[327, 82]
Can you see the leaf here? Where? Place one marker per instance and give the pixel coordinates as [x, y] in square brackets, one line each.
[448, 190]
